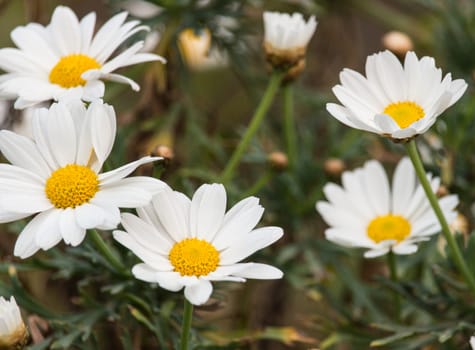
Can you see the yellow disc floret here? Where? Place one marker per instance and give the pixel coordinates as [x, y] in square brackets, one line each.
[67, 72]
[71, 186]
[404, 113]
[387, 227]
[194, 257]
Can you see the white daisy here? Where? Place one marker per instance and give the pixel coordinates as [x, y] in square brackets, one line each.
[188, 244]
[394, 100]
[57, 175]
[13, 332]
[286, 32]
[65, 60]
[365, 212]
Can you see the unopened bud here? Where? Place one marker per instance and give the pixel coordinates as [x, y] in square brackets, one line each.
[13, 333]
[397, 42]
[334, 166]
[442, 191]
[163, 151]
[278, 160]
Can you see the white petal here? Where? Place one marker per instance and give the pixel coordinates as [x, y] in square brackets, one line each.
[65, 30]
[208, 206]
[103, 129]
[250, 243]
[172, 213]
[123, 171]
[88, 215]
[260, 271]
[70, 231]
[199, 293]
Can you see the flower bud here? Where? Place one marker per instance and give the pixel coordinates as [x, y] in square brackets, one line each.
[278, 160]
[397, 42]
[334, 166]
[13, 333]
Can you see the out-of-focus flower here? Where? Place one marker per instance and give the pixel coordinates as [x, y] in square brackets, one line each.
[278, 160]
[285, 40]
[13, 333]
[57, 175]
[65, 60]
[189, 244]
[141, 8]
[398, 42]
[394, 100]
[196, 51]
[334, 166]
[472, 342]
[365, 212]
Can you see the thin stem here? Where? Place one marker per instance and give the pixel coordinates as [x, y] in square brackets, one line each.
[289, 125]
[256, 121]
[394, 277]
[452, 244]
[104, 249]
[186, 325]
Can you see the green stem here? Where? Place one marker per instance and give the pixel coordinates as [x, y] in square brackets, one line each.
[289, 125]
[256, 121]
[452, 244]
[106, 252]
[394, 277]
[186, 325]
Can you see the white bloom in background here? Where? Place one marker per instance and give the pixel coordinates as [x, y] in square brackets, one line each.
[285, 41]
[472, 342]
[394, 100]
[13, 332]
[196, 50]
[287, 32]
[57, 175]
[365, 212]
[65, 60]
[141, 8]
[189, 244]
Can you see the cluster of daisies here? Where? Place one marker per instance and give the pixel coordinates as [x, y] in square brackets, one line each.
[55, 175]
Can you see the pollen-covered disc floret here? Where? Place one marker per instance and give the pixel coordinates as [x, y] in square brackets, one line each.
[68, 71]
[64, 60]
[72, 185]
[188, 244]
[367, 212]
[388, 227]
[395, 100]
[194, 257]
[56, 176]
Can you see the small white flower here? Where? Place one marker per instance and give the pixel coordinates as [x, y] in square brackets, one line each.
[189, 244]
[286, 32]
[12, 329]
[395, 100]
[365, 212]
[57, 175]
[65, 60]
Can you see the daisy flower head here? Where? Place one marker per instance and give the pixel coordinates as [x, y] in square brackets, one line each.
[395, 100]
[65, 60]
[56, 174]
[13, 333]
[367, 212]
[190, 243]
[285, 40]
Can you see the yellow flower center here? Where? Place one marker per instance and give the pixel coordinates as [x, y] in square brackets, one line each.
[71, 186]
[67, 72]
[194, 257]
[388, 227]
[404, 113]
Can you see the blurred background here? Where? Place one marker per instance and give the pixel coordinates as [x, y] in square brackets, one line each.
[192, 111]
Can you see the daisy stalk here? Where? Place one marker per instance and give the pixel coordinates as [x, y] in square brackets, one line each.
[186, 325]
[106, 252]
[411, 148]
[256, 121]
[289, 125]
